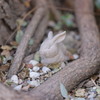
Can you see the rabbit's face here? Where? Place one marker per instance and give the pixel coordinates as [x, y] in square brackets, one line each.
[49, 48]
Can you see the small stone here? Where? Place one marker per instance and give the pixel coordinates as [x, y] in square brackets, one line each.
[18, 88]
[34, 83]
[36, 68]
[34, 75]
[92, 95]
[80, 93]
[14, 79]
[75, 56]
[45, 69]
[33, 62]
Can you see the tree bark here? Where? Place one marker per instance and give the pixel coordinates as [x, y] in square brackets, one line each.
[75, 72]
[39, 33]
[42, 9]
[9, 13]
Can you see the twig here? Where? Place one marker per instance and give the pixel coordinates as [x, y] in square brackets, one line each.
[55, 12]
[39, 33]
[93, 82]
[70, 10]
[24, 42]
[18, 27]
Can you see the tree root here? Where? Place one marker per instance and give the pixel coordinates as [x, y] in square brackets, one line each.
[39, 33]
[28, 33]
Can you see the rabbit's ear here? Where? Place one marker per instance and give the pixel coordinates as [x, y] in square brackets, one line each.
[50, 35]
[59, 37]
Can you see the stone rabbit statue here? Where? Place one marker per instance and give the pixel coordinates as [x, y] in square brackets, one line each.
[52, 50]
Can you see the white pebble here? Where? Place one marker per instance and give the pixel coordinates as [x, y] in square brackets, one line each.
[92, 95]
[36, 68]
[45, 69]
[18, 88]
[34, 75]
[14, 79]
[34, 83]
[41, 73]
[75, 56]
[33, 62]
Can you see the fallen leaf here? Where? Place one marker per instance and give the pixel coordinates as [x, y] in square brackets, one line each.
[2, 76]
[5, 53]
[98, 90]
[19, 36]
[4, 67]
[39, 65]
[37, 56]
[29, 65]
[80, 93]
[54, 66]
[21, 22]
[63, 91]
[6, 47]
[24, 73]
[14, 43]
[27, 3]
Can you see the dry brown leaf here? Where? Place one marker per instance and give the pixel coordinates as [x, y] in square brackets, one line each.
[2, 76]
[24, 73]
[39, 65]
[27, 3]
[4, 67]
[5, 53]
[6, 47]
[14, 43]
[95, 77]
[80, 93]
[29, 65]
